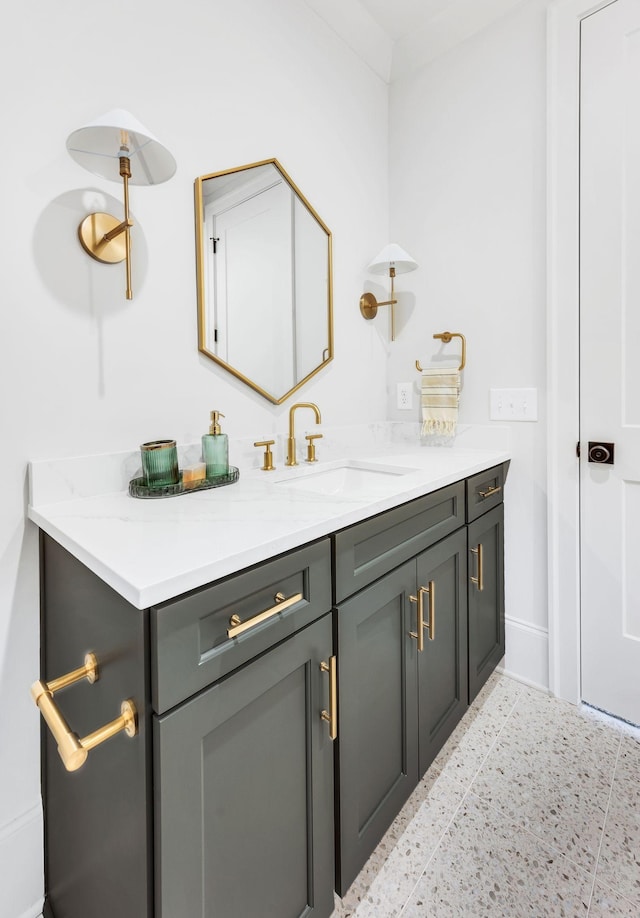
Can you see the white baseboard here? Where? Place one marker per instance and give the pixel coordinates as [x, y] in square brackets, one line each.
[21, 865]
[527, 653]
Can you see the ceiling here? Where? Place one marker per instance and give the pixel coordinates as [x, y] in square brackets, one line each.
[397, 37]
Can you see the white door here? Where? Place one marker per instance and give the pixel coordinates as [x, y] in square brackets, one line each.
[610, 357]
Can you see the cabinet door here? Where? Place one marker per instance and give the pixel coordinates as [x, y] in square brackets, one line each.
[442, 665]
[244, 791]
[486, 597]
[377, 745]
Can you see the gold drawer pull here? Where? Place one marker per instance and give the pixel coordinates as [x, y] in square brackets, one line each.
[331, 716]
[479, 580]
[237, 626]
[73, 750]
[494, 489]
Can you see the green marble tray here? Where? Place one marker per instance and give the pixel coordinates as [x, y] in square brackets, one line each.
[138, 488]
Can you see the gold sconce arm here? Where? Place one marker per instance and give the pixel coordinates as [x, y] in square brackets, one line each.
[100, 234]
[72, 750]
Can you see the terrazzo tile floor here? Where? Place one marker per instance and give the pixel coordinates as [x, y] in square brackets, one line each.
[532, 808]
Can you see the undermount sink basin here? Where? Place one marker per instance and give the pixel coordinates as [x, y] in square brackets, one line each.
[349, 477]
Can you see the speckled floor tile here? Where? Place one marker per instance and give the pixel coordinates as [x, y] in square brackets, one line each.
[551, 772]
[608, 904]
[404, 866]
[487, 866]
[509, 819]
[435, 798]
[619, 863]
[467, 747]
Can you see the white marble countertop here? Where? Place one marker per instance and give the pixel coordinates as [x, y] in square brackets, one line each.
[150, 551]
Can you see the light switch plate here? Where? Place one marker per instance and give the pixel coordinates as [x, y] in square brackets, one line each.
[513, 404]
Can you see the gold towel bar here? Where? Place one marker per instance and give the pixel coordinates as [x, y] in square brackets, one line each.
[73, 750]
[446, 338]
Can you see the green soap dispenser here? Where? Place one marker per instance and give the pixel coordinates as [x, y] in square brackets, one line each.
[215, 448]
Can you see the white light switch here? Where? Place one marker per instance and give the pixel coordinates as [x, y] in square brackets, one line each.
[513, 404]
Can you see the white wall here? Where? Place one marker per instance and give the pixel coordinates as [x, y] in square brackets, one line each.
[467, 198]
[84, 371]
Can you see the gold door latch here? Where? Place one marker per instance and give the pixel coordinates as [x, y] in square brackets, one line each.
[331, 716]
[72, 750]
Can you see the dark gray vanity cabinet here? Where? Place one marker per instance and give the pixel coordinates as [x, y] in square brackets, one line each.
[401, 695]
[243, 781]
[485, 532]
[486, 597]
[377, 763]
[442, 665]
[221, 805]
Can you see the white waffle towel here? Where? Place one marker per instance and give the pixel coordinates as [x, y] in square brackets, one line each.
[440, 397]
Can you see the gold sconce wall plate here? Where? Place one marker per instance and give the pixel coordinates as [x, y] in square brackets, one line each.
[94, 232]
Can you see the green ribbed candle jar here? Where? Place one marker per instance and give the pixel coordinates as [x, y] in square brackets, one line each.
[160, 463]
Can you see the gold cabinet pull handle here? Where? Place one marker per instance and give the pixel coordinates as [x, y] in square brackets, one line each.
[494, 489]
[331, 716]
[237, 626]
[479, 580]
[72, 750]
[431, 622]
[418, 634]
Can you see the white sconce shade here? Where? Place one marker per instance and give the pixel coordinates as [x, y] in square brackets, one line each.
[97, 148]
[392, 256]
[391, 260]
[117, 146]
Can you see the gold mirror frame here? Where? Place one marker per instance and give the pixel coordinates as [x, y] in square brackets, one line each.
[202, 254]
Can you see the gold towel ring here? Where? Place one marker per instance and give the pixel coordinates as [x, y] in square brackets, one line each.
[446, 338]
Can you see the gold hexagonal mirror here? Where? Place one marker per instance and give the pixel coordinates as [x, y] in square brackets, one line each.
[264, 278]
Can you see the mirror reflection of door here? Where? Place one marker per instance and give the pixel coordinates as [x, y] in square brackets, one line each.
[252, 292]
[264, 279]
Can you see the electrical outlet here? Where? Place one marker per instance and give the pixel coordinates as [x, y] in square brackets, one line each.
[405, 396]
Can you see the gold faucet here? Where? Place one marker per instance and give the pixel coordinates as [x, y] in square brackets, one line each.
[291, 442]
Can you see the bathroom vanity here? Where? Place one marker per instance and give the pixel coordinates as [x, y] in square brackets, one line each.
[297, 652]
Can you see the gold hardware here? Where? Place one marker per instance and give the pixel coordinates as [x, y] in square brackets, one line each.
[291, 442]
[100, 234]
[267, 465]
[446, 337]
[331, 716]
[490, 491]
[369, 304]
[311, 447]
[72, 750]
[479, 580]
[237, 626]
[430, 624]
[418, 634]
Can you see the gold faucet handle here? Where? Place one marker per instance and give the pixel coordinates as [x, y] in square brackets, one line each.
[267, 465]
[311, 447]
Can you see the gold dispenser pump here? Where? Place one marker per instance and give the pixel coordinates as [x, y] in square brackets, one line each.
[73, 750]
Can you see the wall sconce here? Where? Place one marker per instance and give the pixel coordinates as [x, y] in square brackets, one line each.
[116, 146]
[394, 260]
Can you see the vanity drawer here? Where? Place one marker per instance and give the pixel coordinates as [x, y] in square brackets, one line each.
[201, 637]
[485, 491]
[366, 551]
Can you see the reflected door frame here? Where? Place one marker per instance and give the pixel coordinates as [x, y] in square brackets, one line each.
[563, 326]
